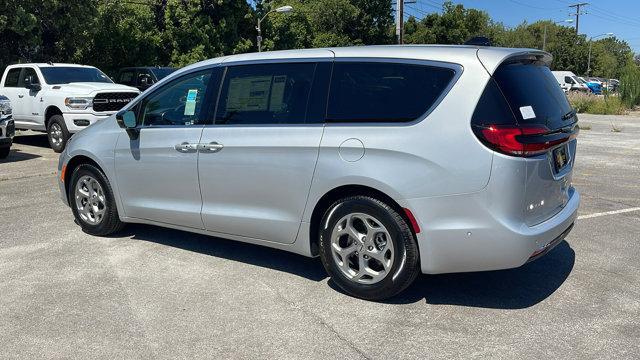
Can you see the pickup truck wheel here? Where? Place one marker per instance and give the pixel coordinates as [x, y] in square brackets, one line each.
[4, 152]
[57, 133]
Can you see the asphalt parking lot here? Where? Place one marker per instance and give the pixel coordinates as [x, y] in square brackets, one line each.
[156, 293]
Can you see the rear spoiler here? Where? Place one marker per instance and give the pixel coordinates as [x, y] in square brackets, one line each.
[493, 57]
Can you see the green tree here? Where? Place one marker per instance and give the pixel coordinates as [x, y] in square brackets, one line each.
[455, 25]
[43, 30]
[322, 23]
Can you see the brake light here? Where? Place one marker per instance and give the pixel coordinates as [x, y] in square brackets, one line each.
[519, 140]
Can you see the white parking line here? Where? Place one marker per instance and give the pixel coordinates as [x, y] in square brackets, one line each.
[589, 216]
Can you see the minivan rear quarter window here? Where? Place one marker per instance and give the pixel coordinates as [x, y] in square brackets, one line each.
[384, 92]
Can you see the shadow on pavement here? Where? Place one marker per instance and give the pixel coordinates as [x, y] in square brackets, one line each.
[39, 140]
[17, 155]
[505, 289]
[232, 250]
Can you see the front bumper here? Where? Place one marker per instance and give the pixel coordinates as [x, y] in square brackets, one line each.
[7, 131]
[78, 121]
[62, 163]
[461, 233]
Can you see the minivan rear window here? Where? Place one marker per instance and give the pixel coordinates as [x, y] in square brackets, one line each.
[533, 94]
[384, 92]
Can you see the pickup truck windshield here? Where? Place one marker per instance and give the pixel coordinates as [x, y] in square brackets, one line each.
[162, 72]
[65, 75]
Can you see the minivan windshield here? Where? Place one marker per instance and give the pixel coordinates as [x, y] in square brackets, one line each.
[534, 95]
[56, 75]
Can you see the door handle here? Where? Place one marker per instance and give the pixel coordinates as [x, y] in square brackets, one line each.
[186, 147]
[211, 147]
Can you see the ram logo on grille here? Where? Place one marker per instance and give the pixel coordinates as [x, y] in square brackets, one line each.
[112, 101]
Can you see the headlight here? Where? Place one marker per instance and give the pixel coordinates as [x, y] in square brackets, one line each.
[5, 107]
[78, 103]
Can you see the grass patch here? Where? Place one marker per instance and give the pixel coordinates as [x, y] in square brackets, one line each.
[599, 105]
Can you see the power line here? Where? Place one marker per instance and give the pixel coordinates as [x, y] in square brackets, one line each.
[534, 7]
[614, 15]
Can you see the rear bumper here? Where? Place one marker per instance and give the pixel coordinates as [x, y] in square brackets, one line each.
[78, 121]
[464, 233]
[545, 249]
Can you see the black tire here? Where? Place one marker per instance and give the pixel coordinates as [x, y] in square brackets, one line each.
[110, 222]
[59, 140]
[400, 275]
[4, 152]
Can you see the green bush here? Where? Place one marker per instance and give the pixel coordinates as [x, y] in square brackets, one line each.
[630, 85]
[601, 105]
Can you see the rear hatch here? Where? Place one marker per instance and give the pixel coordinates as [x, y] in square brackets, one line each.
[524, 114]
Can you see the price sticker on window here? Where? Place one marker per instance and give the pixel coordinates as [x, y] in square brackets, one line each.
[190, 106]
[527, 112]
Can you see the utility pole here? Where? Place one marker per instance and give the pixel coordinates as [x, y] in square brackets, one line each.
[400, 18]
[577, 14]
[400, 21]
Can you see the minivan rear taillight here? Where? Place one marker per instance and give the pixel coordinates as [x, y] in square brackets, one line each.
[521, 140]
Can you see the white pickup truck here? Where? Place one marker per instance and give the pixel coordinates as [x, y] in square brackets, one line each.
[61, 99]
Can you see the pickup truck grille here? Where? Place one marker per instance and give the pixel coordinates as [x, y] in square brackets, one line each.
[112, 101]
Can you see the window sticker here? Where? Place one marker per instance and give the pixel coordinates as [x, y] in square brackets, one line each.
[249, 93]
[527, 112]
[277, 93]
[190, 105]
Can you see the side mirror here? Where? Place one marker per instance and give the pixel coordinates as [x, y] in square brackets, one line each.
[127, 121]
[29, 84]
[146, 81]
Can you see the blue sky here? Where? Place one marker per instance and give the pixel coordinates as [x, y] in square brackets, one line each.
[621, 17]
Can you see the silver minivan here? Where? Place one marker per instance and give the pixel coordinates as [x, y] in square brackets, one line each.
[385, 161]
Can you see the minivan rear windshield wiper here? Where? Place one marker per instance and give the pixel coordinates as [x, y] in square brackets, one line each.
[569, 115]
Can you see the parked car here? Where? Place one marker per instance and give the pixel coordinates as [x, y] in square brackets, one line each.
[7, 129]
[142, 77]
[569, 81]
[61, 99]
[385, 161]
[595, 87]
[614, 84]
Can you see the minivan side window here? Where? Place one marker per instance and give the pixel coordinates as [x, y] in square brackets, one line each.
[177, 103]
[384, 92]
[13, 77]
[265, 94]
[568, 80]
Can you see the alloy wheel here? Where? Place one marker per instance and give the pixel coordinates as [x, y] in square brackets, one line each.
[90, 200]
[362, 248]
[56, 134]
